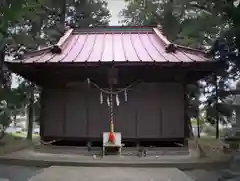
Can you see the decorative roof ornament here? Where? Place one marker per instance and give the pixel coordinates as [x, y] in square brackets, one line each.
[56, 49]
[159, 27]
[20, 53]
[170, 48]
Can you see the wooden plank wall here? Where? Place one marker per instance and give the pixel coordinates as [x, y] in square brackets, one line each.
[153, 110]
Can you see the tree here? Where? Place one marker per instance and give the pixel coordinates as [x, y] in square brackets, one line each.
[198, 24]
[193, 26]
[11, 12]
[30, 111]
[4, 117]
[14, 19]
[225, 49]
[87, 13]
[73, 13]
[27, 25]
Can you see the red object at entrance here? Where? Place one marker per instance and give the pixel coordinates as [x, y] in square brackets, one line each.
[111, 138]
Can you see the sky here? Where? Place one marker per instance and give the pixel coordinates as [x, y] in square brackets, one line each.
[115, 6]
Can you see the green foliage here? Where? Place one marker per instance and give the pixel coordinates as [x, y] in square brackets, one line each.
[27, 25]
[87, 13]
[184, 22]
[194, 121]
[198, 24]
[37, 23]
[4, 115]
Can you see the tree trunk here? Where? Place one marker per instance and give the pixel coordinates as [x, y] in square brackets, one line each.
[190, 128]
[198, 124]
[30, 112]
[198, 127]
[15, 120]
[2, 55]
[63, 12]
[2, 133]
[217, 111]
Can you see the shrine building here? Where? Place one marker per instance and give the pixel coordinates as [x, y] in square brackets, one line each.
[132, 77]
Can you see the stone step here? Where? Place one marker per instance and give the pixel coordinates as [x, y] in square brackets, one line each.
[97, 150]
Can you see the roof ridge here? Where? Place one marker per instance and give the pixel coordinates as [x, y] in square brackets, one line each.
[190, 48]
[65, 37]
[161, 36]
[167, 43]
[169, 46]
[51, 48]
[36, 52]
[57, 48]
[117, 26]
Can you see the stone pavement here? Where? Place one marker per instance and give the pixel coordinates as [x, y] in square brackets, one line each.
[56, 173]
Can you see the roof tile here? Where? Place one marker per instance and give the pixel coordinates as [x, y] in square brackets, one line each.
[145, 45]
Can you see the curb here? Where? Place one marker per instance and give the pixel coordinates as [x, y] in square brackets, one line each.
[180, 165]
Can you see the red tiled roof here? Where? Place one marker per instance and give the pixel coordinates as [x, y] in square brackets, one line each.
[117, 44]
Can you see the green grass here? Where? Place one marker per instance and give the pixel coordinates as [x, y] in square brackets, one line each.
[15, 142]
[23, 135]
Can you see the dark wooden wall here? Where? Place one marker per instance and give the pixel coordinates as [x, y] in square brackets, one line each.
[152, 111]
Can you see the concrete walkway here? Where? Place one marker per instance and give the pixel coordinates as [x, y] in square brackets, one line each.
[110, 174]
[20, 173]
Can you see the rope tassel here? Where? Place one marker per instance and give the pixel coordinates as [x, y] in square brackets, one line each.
[88, 82]
[101, 98]
[108, 101]
[117, 100]
[125, 95]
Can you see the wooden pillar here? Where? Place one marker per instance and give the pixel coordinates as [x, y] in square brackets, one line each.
[42, 113]
[65, 94]
[87, 99]
[187, 128]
